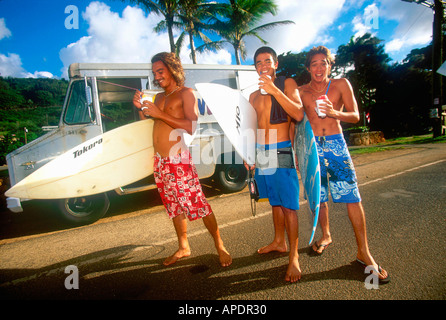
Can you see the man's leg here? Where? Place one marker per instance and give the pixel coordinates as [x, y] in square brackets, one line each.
[211, 224]
[279, 243]
[180, 224]
[357, 218]
[321, 245]
[293, 273]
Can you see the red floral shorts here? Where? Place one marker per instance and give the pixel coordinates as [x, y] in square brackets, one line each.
[179, 187]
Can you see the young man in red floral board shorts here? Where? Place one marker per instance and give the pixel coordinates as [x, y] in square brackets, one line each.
[174, 112]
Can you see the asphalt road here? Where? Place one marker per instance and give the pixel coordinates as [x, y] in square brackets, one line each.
[120, 256]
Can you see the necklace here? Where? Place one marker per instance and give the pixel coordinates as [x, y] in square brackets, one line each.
[318, 90]
[166, 95]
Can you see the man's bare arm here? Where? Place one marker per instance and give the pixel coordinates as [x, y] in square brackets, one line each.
[290, 100]
[189, 121]
[351, 113]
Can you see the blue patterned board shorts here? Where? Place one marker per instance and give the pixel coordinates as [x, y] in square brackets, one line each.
[276, 175]
[337, 170]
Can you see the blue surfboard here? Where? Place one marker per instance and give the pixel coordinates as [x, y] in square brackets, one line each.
[308, 162]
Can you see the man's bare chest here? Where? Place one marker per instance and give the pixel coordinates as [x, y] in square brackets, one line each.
[171, 107]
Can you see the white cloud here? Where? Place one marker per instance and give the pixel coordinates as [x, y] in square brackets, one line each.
[4, 31]
[11, 63]
[314, 20]
[414, 24]
[220, 57]
[11, 66]
[42, 74]
[394, 45]
[115, 38]
[126, 38]
[367, 22]
[311, 18]
[359, 27]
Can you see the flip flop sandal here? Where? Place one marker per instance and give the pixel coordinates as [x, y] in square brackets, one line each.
[325, 246]
[381, 281]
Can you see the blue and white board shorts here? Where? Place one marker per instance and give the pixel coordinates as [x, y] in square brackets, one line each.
[276, 175]
[337, 170]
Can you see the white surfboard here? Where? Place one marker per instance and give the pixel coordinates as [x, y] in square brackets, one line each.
[235, 115]
[106, 162]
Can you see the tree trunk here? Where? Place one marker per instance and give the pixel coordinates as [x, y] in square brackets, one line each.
[192, 48]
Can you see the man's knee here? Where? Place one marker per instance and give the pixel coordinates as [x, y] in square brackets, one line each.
[287, 211]
[355, 207]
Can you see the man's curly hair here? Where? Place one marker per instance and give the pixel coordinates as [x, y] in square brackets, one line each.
[173, 63]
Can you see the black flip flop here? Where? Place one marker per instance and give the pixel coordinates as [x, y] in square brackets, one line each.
[381, 281]
[325, 246]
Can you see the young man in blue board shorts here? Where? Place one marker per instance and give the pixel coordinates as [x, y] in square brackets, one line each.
[276, 175]
[337, 171]
[337, 164]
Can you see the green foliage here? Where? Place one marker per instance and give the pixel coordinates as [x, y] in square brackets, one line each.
[360, 129]
[292, 65]
[8, 143]
[9, 98]
[115, 115]
[26, 93]
[397, 96]
[27, 103]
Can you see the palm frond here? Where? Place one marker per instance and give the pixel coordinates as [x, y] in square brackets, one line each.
[271, 25]
[212, 46]
[179, 43]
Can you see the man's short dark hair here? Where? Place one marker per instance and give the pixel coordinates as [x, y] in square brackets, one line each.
[266, 50]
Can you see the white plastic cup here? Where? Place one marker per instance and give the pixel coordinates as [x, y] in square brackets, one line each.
[262, 91]
[319, 101]
[146, 96]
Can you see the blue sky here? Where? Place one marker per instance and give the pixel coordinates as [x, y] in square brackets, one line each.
[36, 42]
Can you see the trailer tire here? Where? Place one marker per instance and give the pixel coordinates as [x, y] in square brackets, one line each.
[83, 210]
[231, 177]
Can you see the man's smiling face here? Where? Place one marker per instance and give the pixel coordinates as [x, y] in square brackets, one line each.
[319, 67]
[161, 74]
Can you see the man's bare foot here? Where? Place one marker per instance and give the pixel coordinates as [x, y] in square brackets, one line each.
[225, 257]
[293, 273]
[273, 246]
[181, 253]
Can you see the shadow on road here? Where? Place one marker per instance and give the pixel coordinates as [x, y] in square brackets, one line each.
[42, 216]
[133, 272]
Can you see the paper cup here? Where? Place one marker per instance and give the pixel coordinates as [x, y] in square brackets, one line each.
[319, 101]
[263, 91]
[146, 96]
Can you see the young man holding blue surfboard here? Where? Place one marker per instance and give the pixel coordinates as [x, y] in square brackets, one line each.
[175, 111]
[277, 104]
[338, 104]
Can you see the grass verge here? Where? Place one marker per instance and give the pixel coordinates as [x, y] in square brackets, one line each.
[397, 143]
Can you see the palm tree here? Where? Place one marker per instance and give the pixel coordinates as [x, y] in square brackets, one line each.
[194, 15]
[367, 60]
[237, 21]
[187, 15]
[166, 8]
